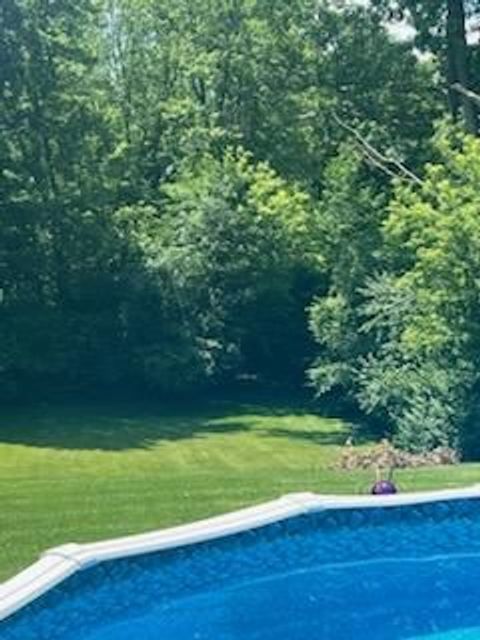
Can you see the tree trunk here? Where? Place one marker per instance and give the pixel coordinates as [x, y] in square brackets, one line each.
[457, 63]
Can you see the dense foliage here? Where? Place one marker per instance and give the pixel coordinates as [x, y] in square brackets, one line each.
[194, 192]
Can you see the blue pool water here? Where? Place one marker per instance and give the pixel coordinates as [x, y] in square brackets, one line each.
[379, 574]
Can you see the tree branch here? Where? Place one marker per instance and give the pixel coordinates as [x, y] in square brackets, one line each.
[468, 93]
[377, 158]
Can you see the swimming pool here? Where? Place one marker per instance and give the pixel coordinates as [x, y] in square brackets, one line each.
[303, 567]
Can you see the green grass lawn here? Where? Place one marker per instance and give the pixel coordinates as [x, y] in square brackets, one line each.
[81, 474]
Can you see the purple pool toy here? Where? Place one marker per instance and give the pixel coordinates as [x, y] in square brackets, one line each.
[383, 488]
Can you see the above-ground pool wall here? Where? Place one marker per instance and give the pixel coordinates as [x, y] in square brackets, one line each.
[57, 564]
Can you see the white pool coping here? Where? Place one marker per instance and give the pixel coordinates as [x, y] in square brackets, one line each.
[57, 564]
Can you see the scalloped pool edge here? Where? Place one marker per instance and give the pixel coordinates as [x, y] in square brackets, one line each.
[57, 564]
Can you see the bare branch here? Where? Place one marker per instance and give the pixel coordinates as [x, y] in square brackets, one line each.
[375, 163]
[377, 158]
[474, 97]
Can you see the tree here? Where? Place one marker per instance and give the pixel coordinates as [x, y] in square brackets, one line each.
[52, 124]
[238, 245]
[421, 373]
[442, 30]
[350, 216]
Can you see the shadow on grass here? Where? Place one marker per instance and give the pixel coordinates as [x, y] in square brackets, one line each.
[336, 437]
[114, 431]
[117, 427]
[321, 438]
